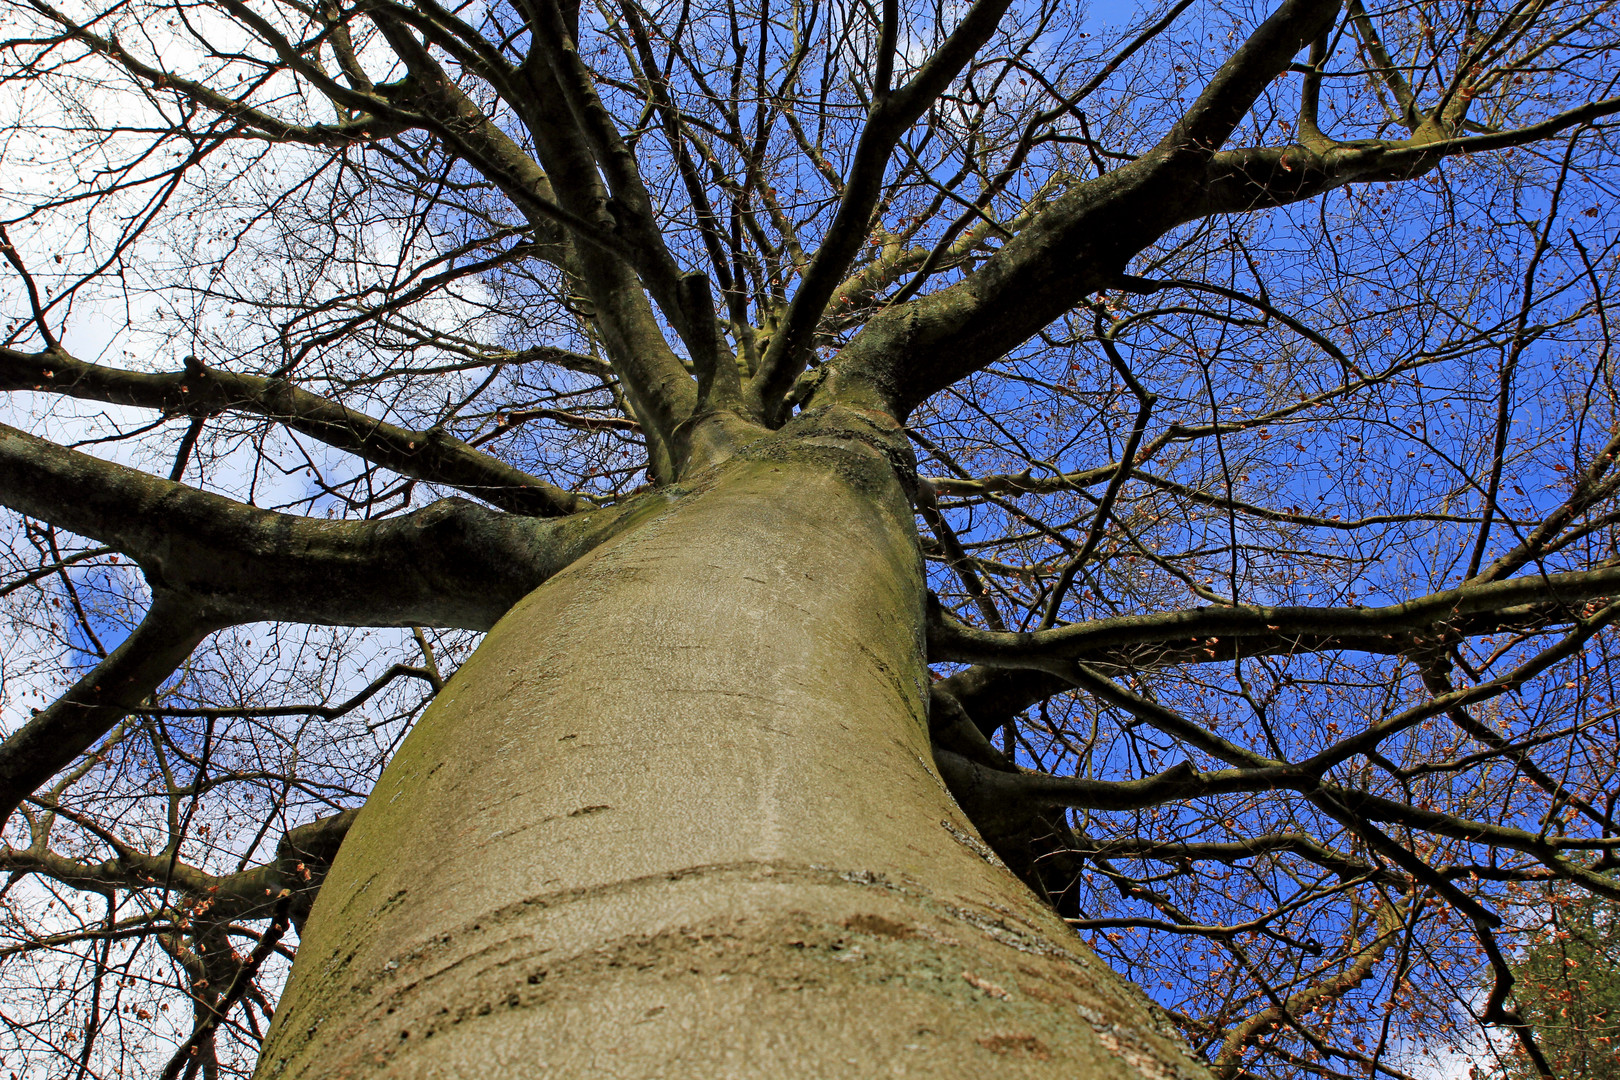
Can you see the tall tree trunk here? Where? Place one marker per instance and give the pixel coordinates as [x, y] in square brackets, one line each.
[677, 817]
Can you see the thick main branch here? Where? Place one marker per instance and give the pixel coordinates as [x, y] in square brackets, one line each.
[453, 563]
[1077, 245]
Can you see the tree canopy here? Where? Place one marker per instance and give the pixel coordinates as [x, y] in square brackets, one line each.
[1256, 362]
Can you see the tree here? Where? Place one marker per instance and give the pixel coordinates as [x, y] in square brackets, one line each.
[931, 480]
[1572, 999]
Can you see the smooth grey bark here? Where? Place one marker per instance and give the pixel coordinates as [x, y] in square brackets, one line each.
[678, 817]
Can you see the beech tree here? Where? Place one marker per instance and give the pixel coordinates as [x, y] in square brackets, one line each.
[904, 526]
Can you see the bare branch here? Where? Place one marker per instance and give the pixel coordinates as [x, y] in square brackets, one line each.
[58, 734]
[434, 455]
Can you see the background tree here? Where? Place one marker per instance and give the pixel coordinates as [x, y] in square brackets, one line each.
[1243, 375]
[1570, 994]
